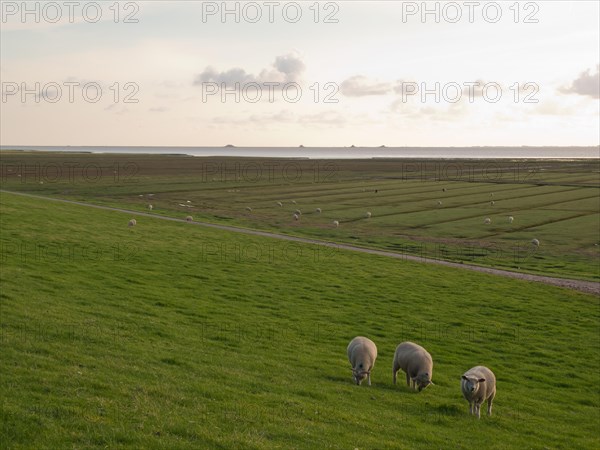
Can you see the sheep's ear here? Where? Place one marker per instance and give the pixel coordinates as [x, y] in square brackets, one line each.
[465, 378]
[481, 380]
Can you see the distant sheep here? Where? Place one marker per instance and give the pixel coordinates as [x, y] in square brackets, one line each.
[248, 209]
[189, 219]
[336, 223]
[487, 221]
[511, 219]
[298, 212]
[439, 203]
[535, 242]
[132, 223]
[296, 217]
[318, 210]
[492, 194]
[478, 384]
[443, 189]
[294, 202]
[362, 353]
[368, 215]
[150, 207]
[416, 362]
[279, 204]
[492, 203]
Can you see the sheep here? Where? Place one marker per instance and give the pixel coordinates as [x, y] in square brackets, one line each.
[318, 210]
[492, 194]
[150, 207]
[492, 203]
[487, 221]
[279, 204]
[368, 215]
[336, 223]
[535, 242]
[188, 201]
[132, 223]
[294, 202]
[439, 203]
[478, 384]
[248, 209]
[189, 219]
[416, 362]
[296, 217]
[362, 353]
[298, 212]
[511, 219]
[443, 189]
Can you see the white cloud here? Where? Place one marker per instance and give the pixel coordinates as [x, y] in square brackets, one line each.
[586, 84]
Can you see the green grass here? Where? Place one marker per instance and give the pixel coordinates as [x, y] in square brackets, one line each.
[171, 335]
[556, 202]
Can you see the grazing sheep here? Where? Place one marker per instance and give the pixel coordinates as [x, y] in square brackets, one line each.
[132, 223]
[511, 219]
[362, 353]
[189, 219]
[294, 202]
[188, 201]
[296, 217]
[535, 242]
[492, 203]
[416, 362]
[368, 215]
[318, 210]
[279, 204]
[248, 209]
[478, 384]
[487, 221]
[298, 212]
[443, 189]
[439, 203]
[336, 223]
[150, 207]
[492, 194]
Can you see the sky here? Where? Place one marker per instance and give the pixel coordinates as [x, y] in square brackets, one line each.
[191, 73]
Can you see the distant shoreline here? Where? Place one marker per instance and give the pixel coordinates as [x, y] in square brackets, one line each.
[366, 153]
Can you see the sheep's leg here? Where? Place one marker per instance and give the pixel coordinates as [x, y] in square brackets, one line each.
[478, 409]
[369, 379]
[394, 375]
[408, 380]
[490, 400]
[471, 408]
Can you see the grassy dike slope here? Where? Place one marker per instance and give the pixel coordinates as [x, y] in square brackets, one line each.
[170, 335]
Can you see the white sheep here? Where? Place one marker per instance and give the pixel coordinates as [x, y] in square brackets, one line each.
[535, 242]
[336, 223]
[294, 202]
[443, 189]
[362, 353]
[248, 209]
[279, 204]
[318, 210]
[478, 384]
[492, 194]
[487, 221]
[368, 215]
[511, 219]
[296, 217]
[416, 362]
[492, 203]
[150, 207]
[439, 203]
[132, 223]
[189, 219]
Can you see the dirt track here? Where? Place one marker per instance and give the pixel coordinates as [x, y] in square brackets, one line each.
[589, 287]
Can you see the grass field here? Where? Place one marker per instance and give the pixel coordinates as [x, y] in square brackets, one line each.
[556, 202]
[170, 335]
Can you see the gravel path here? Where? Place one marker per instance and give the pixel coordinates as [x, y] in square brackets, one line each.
[589, 287]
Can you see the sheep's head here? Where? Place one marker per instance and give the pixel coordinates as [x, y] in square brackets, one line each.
[359, 374]
[423, 380]
[471, 384]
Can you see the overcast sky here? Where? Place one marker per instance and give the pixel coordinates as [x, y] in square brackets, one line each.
[285, 74]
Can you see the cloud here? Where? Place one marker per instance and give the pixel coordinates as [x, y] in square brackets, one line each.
[585, 84]
[286, 69]
[361, 86]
